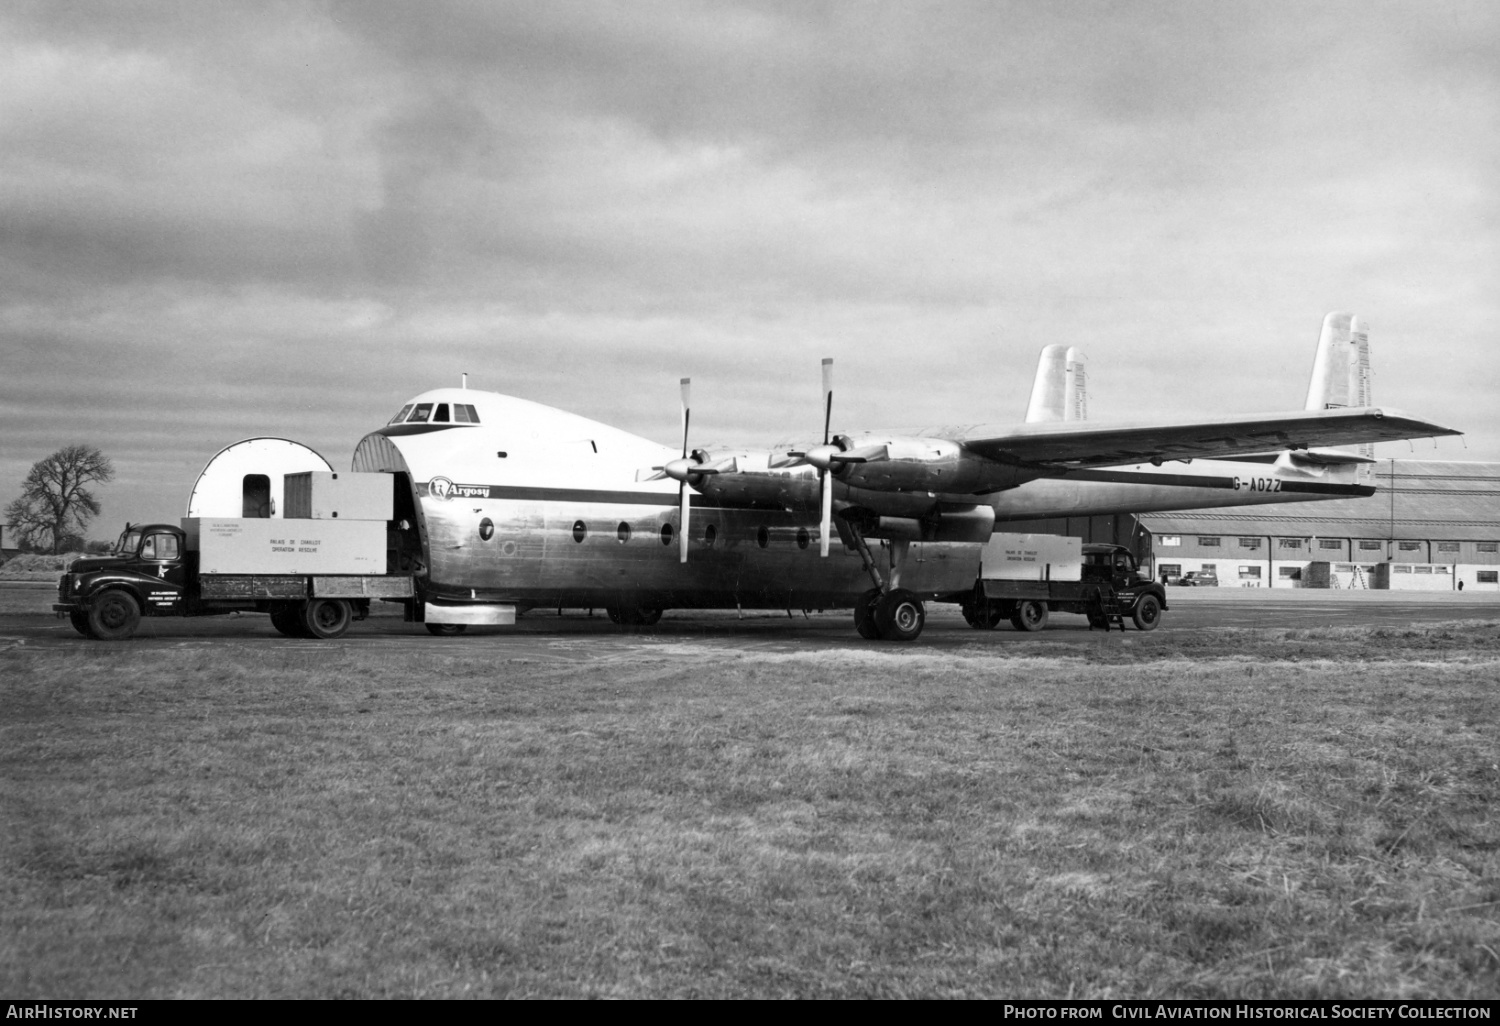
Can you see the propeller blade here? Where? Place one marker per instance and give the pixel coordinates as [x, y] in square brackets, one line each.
[825, 520]
[683, 503]
[827, 396]
[825, 524]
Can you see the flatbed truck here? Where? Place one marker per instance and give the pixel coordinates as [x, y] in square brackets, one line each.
[1025, 577]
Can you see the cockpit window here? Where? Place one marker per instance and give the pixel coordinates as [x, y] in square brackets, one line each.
[398, 418]
[441, 416]
[420, 414]
[465, 414]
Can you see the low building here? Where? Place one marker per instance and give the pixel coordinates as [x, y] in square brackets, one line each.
[1431, 525]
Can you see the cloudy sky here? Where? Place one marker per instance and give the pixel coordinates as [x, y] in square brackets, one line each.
[223, 220]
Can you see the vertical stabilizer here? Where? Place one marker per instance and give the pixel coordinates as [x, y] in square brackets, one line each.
[1060, 391]
[1341, 369]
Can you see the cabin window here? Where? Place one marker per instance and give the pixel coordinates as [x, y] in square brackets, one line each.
[580, 531]
[441, 416]
[622, 533]
[420, 413]
[398, 418]
[159, 546]
[763, 537]
[486, 529]
[803, 538]
[709, 534]
[666, 534]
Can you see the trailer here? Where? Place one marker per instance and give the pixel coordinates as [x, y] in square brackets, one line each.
[313, 574]
[1024, 578]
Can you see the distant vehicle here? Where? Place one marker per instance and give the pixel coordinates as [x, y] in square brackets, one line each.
[1200, 579]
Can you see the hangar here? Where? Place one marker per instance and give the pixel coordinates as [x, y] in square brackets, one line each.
[1431, 526]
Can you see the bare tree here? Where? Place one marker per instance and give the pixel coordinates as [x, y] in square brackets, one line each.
[55, 500]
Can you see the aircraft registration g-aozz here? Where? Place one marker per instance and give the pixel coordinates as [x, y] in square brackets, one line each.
[504, 505]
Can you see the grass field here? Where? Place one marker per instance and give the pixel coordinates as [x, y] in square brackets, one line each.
[1235, 813]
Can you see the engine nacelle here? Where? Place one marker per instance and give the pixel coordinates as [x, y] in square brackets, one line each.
[919, 464]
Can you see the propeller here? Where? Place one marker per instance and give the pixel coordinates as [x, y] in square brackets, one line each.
[683, 503]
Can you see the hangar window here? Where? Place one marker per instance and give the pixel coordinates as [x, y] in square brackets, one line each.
[1422, 568]
[763, 537]
[1209, 543]
[1249, 543]
[1447, 546]
[1289, 543]
[1370, 546]
[580, 530]
[1293, 573]
[666, 534]
[1330, 543]
[398, 418]
[1410, 546]
[1488, 577]
[803, 538]
[622, 533]
[1485, 546]
[1169, 540]
[1249, 573]
[1440, 570]
[1401, 568]
[420, 413]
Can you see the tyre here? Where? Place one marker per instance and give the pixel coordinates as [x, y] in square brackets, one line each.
[1147, 615]
[990, 615]
[287, 620]
[79, 618]
[900, 616]
[864, 615]
[113, 615]
[1029, 616]
[326, 618]
[446, 630]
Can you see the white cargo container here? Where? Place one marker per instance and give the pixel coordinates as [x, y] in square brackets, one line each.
[327, 495]
[1032, 557]
[252, 546]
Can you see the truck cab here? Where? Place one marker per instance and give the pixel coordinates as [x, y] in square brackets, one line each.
[145, 574]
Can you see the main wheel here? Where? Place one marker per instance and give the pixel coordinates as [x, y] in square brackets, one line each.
[647, 616]
[446, 630]
[864, 615]
[1029, 616]
[1147, 615]
[80, 621]
[287, 619]
[900, 616]
[114, 615]
[326, 618]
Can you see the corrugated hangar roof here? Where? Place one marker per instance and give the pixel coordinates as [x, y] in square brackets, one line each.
[1430, 499]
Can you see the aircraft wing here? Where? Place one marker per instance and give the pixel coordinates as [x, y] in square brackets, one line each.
[1083, 444]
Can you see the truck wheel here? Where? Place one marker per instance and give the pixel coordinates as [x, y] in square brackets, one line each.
[864, 615]
[80, 620]
[446, 630]
[326, 618]
[287, 620]
[900, 616]
[1029, 616]
[114, 615]
[1147, 615]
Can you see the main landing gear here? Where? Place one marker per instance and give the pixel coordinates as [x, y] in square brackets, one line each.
[887, 611]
